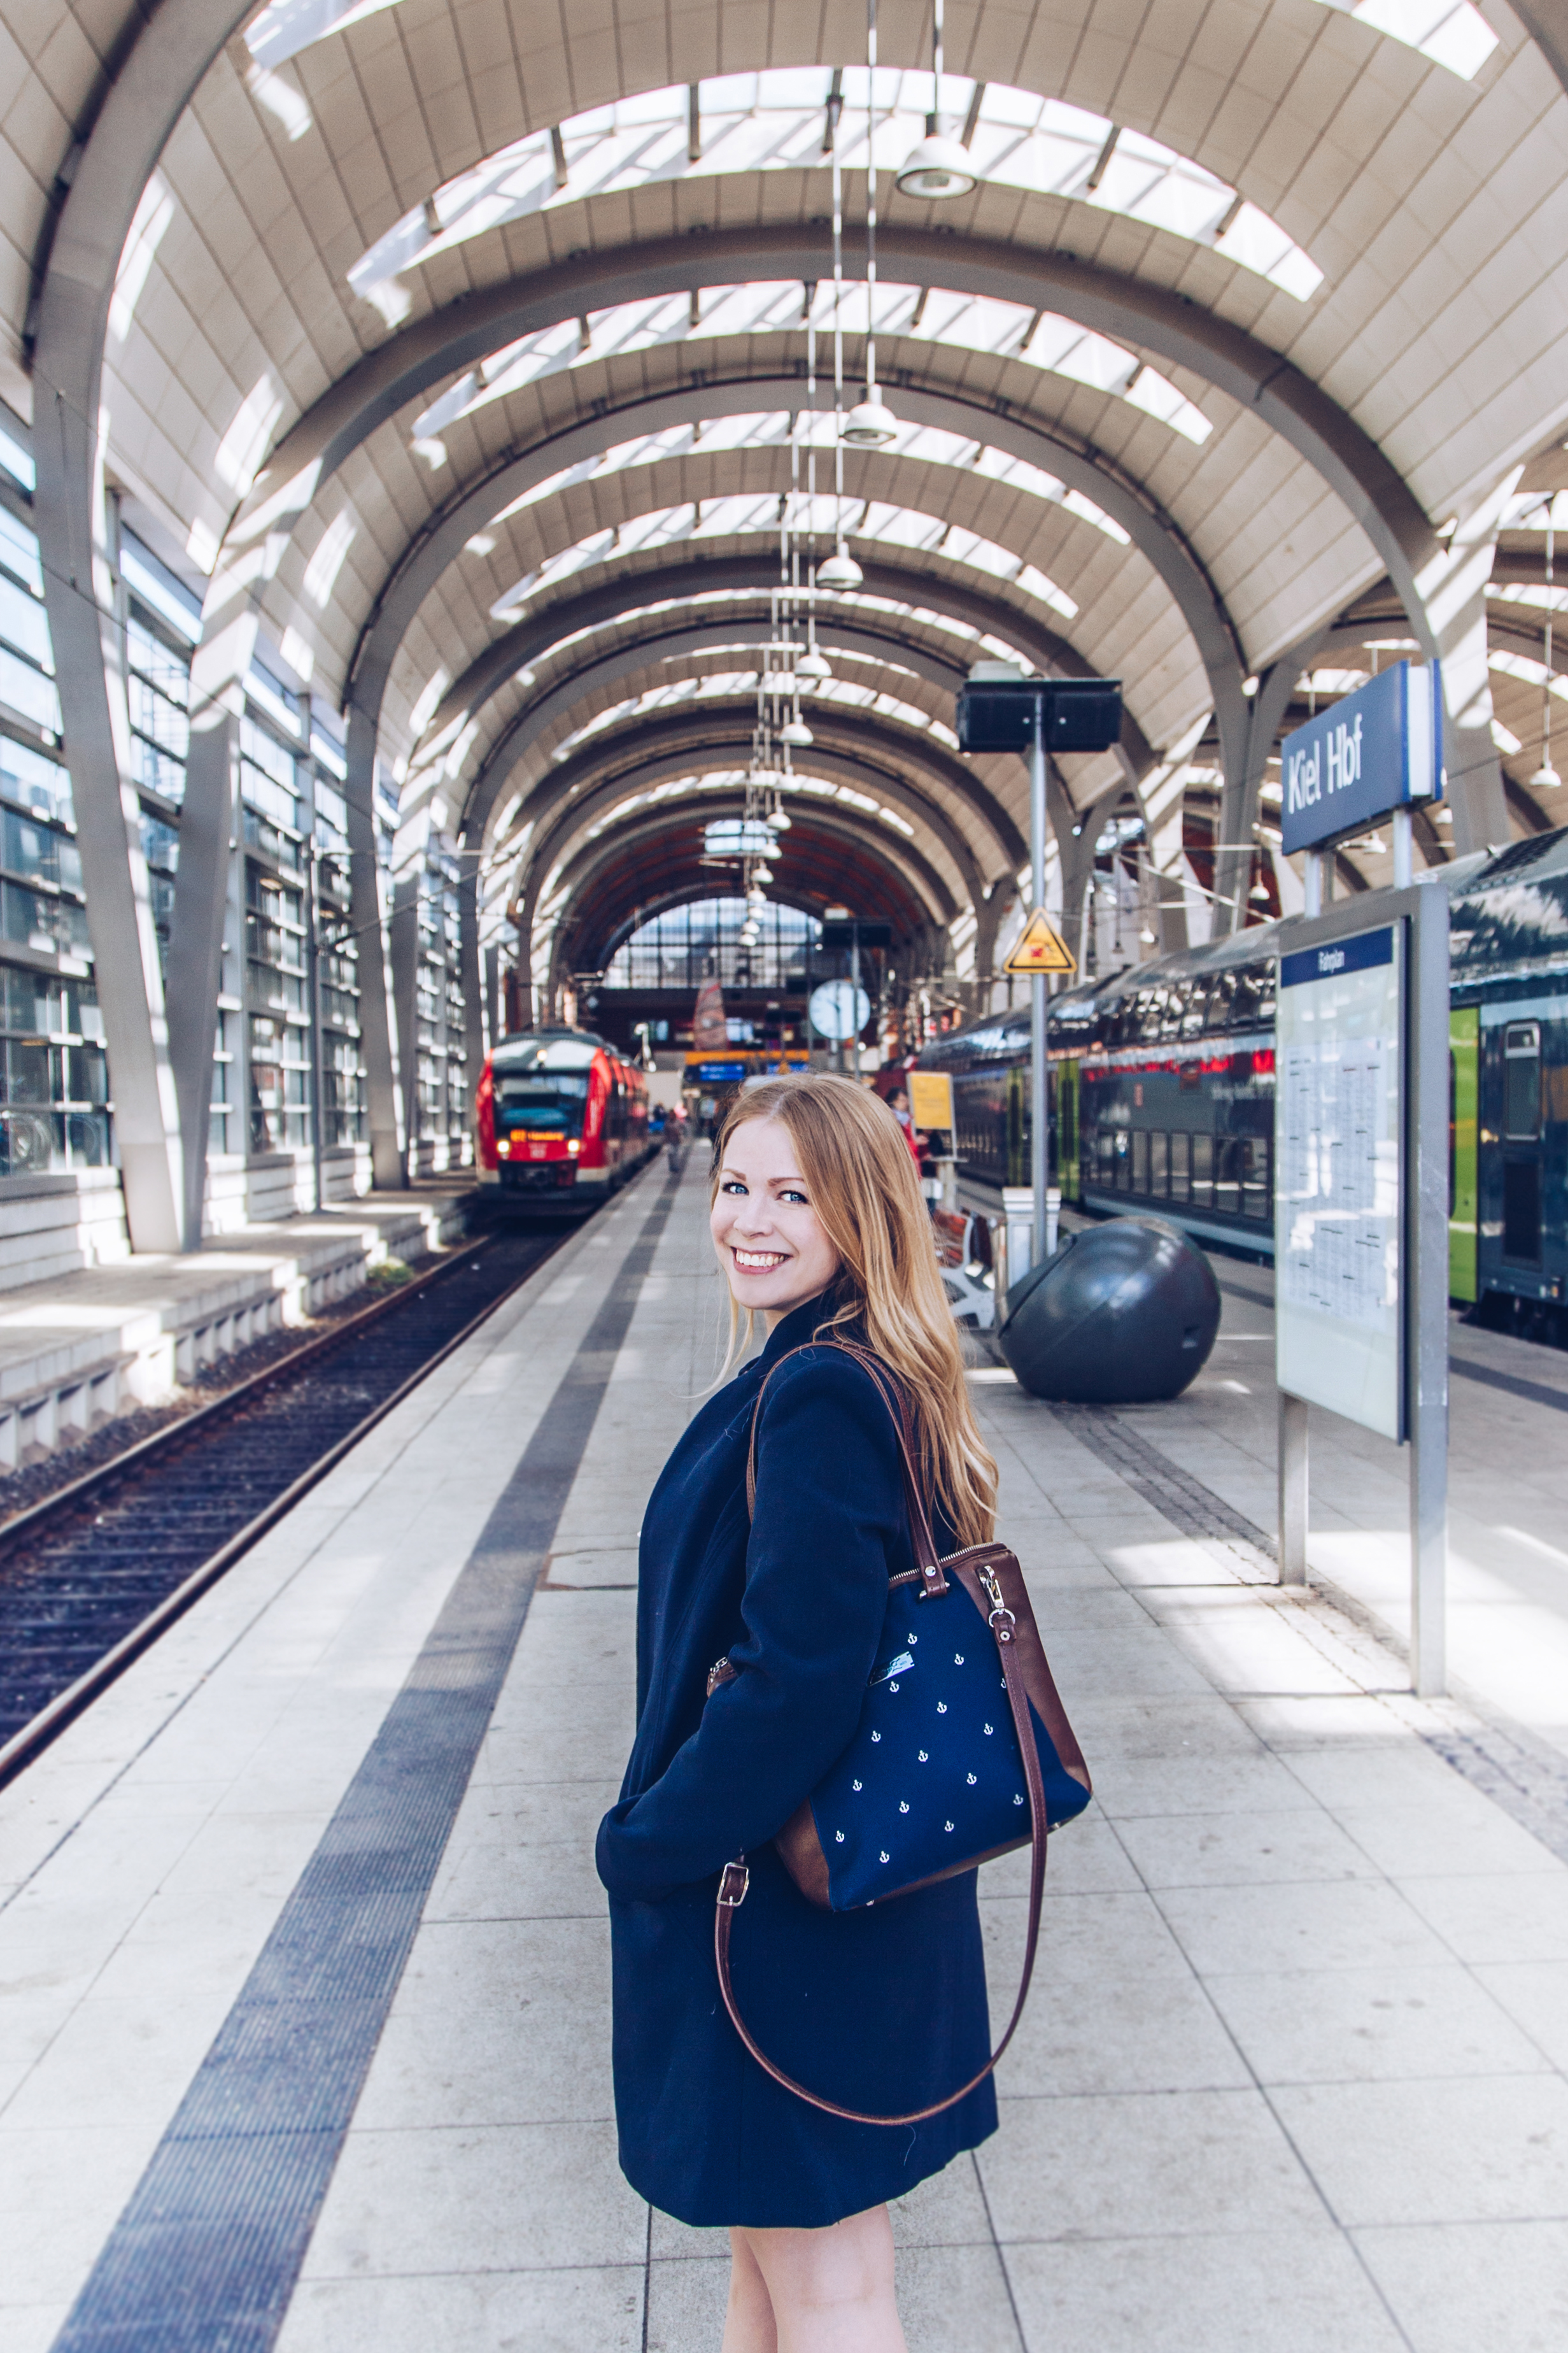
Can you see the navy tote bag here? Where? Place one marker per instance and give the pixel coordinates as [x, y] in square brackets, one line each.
[963, 1752]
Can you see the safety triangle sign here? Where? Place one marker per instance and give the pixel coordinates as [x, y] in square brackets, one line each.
[1039, 948]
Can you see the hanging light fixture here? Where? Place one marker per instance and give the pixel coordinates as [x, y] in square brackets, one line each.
[840, 572]
[1546, 778]
[870, 423]
[762, 873]
[939, 167]
[812, 670]
[796, 733]
[778, 820]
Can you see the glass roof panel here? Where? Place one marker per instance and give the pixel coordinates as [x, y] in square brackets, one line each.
[728, 684]
[775, 121]
[769, 306]
[723, 518]
[930, 445]
[731, 780]
[1455, 36]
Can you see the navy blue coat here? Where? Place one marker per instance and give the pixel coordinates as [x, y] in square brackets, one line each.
[880, 2009]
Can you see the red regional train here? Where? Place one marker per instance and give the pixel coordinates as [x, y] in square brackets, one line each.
[562, 1121]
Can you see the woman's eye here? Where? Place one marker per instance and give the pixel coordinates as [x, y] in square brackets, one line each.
[732, 1184]
[792, 1197]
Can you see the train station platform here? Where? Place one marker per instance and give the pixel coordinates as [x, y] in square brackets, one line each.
[304, 2030]
[82, 1345]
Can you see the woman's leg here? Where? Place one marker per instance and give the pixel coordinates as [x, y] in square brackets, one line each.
[831, 2291]
[749, 2322]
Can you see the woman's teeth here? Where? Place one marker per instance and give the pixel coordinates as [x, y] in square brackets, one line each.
[758, 1261]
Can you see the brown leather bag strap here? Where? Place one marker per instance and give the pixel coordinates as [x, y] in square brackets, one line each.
[928, 1561]
[735, 1878]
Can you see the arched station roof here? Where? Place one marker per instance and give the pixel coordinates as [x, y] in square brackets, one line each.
[461, 351]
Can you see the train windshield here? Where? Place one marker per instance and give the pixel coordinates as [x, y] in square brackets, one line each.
[541, 1084]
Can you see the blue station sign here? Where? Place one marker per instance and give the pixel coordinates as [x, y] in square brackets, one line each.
[1368, 754]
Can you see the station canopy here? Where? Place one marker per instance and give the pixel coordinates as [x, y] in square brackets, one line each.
[480, 360]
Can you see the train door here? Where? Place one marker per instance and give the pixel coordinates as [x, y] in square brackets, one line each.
[1065, 1077]
[1521, 1170]
[1464, 1103]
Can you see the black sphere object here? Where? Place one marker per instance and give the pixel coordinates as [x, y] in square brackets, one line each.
[1124, 1314]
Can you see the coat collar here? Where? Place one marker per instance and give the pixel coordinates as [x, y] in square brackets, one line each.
[796, 1329]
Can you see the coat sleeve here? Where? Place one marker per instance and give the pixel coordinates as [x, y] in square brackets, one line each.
[829, 1521]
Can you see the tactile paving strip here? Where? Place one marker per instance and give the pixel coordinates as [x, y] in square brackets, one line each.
[1180, 1498]
[204, 2257]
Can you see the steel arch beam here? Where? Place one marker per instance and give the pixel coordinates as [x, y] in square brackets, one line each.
[149, 1048]
[1152, 530]
[592, 864]
[619, 599]
[627, 661]
[551, 844]
[1245, 369]
[576, 802]
[727, 723]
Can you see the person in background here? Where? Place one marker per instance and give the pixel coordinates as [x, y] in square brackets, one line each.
[898, 1103]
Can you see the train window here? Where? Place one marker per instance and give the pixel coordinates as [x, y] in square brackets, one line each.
[1521, 1211]
[1194, 997]
[1522, 1079]
[1257, 1192]
[1228, 1174]
[1180, 1167]
[1203, 1172]
[1158, 1166]
[1141, 1161]
[1105, 1157]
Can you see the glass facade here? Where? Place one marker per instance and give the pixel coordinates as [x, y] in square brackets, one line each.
[55, 1108]
[700, 941]
[443, 1110]
[288, 1011]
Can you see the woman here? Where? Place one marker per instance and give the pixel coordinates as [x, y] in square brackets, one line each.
[819, 1227]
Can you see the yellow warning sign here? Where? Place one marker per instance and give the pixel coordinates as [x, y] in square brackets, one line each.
[1039, 948]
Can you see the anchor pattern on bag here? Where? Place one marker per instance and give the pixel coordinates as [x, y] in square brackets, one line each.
[940, 1719]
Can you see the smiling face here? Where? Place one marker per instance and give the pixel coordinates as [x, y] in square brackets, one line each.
[773, 1252]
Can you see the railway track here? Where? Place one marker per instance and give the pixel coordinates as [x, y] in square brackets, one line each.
[92, 1574]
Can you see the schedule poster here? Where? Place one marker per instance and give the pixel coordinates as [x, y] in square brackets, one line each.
[1339, 1045]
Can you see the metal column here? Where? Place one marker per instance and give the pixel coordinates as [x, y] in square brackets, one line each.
[1040, 1140]
[1427, 1286]
[1293, 1489]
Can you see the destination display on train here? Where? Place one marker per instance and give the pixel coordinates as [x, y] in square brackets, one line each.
[1338, 1187]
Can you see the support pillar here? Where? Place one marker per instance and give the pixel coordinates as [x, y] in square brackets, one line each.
[197, 934]
[1453, 591]
[88, 636]
[404, 932]
[381, 1047]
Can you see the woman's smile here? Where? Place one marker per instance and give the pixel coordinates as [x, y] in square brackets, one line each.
[771, 1244]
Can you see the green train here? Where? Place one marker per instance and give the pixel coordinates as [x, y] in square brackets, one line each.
[1162, 1089]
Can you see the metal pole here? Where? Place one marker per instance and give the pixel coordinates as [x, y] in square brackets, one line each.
[1403, 829]
[855, 990]
[1292, 1489]
[315, 959]
[1040, 1139]
[1426, 1287]
[1313, 881]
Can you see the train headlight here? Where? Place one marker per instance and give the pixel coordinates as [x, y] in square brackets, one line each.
[572, 1146]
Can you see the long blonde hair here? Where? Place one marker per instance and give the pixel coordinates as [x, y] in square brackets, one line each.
[889, 1294]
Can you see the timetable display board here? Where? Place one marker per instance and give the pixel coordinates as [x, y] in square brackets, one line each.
[1338, 1189]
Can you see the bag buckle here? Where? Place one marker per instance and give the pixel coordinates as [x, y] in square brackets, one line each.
[734, 1881]
[999, 1609]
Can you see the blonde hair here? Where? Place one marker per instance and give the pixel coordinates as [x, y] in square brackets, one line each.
[888, 1293]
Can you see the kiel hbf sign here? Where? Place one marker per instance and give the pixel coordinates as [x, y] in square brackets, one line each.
[1369, 753]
